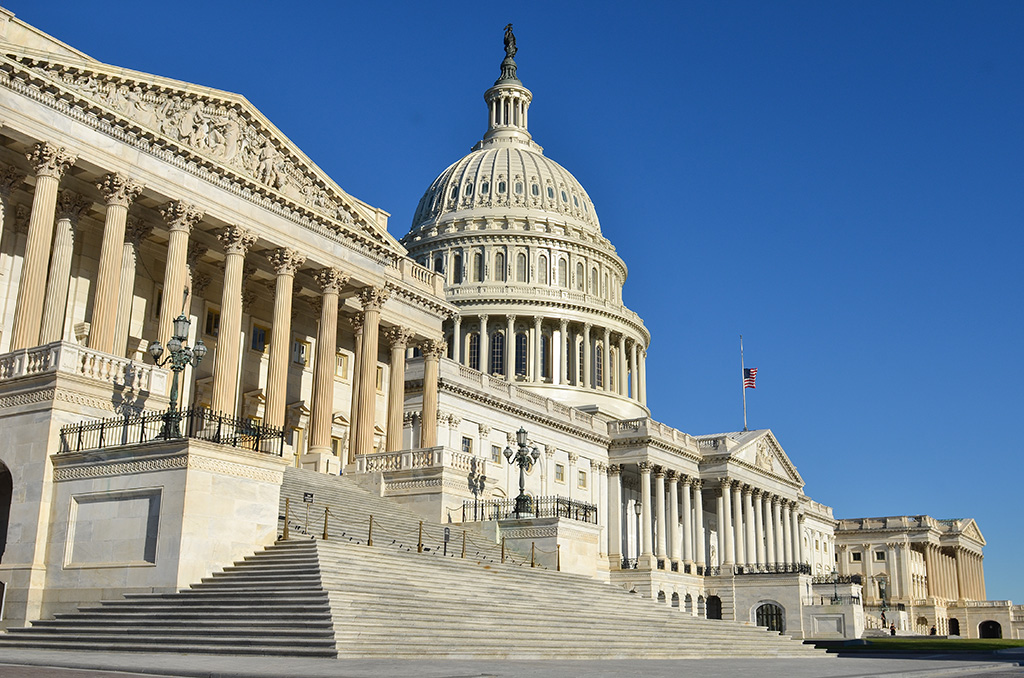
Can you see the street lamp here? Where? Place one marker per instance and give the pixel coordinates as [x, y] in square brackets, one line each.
[477, 484]
[638, 509]
[835, 586]
[525, 456]
[180, 357]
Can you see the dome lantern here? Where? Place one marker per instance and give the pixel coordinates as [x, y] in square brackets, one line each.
[508, 103]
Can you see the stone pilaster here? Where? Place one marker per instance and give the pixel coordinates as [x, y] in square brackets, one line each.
[373, 299]
[538, 340]
[622, 364]
[510, 348]
[353, 414]
[236, 242]
[698, 522]
[49, 163]
[740, 552]
[674, 545]
[588, 368]
[659, 507]
[136, 231]
[606, 363]
[688, 532]
[633, 392]
[645, 512]
[780, 549]
[398, 340]
[563, 351]
[759, 554]
[457, 340]
[321, 418]
[432, 351]
[118, 193]
[70, 207]
[180, 218]
[750, 547]
[769, 530]
[10, 178]
[643, 376]
[286, 262]
[787, 533]
[615, 515]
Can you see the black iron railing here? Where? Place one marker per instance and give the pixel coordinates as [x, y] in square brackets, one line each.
[838, 579]
[197, 423]
[630, 563]
[538, 507]
[775, 568]
[832, 600]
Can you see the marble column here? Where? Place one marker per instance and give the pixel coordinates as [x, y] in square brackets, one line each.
[538, 373]
[643, 376]
[870, 589]
[588, 368]
[645, 510]
[118, 193]
[780, 550]
[931, 570]
[725, 536]
[321, 417]
[457, 340]
[675, 552]
[623, 385]
[842, 560]
[794, 530]
[895, 581]
[373, 299]
[563, 351]
[69, 208]
[432, 351]
[180, 217]
[136, 230]
[286, 262]
[353, 406]
[759, 539]
[398, 339]
[737, 525]
[49, 163]
[698, 522]
[659, 505]
[787, 533]
[748, 526]
[510, 347]
[606, 373]
[485, 346]
[769, 531]
[614, 515]
[906, 583]
[688, 520]
[981, 578]
[633, 393]
[236, 241]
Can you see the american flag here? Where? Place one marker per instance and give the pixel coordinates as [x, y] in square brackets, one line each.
[749, 377]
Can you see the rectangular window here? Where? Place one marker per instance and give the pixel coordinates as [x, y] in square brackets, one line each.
[298, 440]
[336, 447]
[560, 473]
[880, 556]
[855, 556]
[495, 454]
[212, 326]
[341, 365]
[581, 481]
[300, 352]
[467, 445]
[158, 302]
[260, 338]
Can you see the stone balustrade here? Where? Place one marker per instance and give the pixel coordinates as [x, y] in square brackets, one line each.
[649, 428]
[73, 359]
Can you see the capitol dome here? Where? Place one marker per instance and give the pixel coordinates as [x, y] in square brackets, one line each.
[538, 287]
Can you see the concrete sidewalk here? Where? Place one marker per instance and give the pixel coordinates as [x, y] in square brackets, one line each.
[206, 666]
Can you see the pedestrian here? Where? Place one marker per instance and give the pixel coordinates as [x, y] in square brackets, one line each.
[883, 621]
[892, 629]
[933, 631]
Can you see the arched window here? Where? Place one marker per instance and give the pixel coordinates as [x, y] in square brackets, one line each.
[579, 376]
[542, 269]
[478, 267]
[498, 353]
[439, 264]
[568, 357]
[581, 277]
[604, 290]
[593, 281]
[545, 356]
[598, 366]
[522, 342]
[714, 607]
[771, 616]
[499, 267]
[612, 372]
[563, 274]
[521, 267]
[474, 350]
[456, 268]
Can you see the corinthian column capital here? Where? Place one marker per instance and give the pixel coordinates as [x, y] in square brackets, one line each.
[196, 251]
[286, 261]
[236, 240]
[136, 231]
[10, 178]
[373, 298]
[71, 206]
[398, 337]
[118, 189]
[181, 215]
[330, 280]
[433, 348]
[49, 160]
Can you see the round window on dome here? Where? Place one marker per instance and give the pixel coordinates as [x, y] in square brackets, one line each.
[551, 193]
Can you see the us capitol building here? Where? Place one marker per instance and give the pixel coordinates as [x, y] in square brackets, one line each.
[176, 276]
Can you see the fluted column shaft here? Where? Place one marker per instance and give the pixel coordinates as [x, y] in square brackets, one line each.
[398, 337]
[510, 348]
[135, 232]
[588, 369]
[895, 580]
[69, 208]
[725, 539]
[118, 192]
[759, 554]
[659, 505]
[787, 533]
[563, 351]
[432, 351]
[457, 340]
[50, 163]
[737, 524]
[285, 262]
[688, 519]
[780, 549]
[331, 280]
[353, 406]
[615, 514]
[373, 299]
[698, 521]
[606, 374]
[906, 583]
[645, 509]
[643, 377]
[748, 527]
[769, 531]
[538, 373]
[485, 346]
[794, 518]
[675, 542]
[181, 217]
[633, 393]
[623, 385]
[237, 242]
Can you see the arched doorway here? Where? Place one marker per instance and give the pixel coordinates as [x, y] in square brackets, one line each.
[714, 607]
[990, 629]
[6, 493]
[954, 626]
[770, 616]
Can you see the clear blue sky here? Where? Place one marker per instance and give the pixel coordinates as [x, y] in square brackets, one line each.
[839, 182]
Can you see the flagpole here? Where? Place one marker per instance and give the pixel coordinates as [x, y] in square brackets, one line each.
[743, 386]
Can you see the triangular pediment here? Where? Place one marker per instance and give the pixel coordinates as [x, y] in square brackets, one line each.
[757, 450]
[219, 131]
[969, 529]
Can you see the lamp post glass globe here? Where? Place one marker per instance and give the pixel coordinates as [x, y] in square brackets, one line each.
[525, 457]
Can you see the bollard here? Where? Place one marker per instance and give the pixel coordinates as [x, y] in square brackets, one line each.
[287, 506]
[558, 558]
[533, 563]
[369, 533]
[503, 549]
[463, 543]
[419, 543]
[326, 512]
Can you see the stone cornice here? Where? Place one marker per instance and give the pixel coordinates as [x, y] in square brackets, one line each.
[170, 120]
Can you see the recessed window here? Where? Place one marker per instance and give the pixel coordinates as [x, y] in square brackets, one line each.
[879, 556]
[260, 338]
[495, 454]
[341, 365]
[158, 302]
[336, 448]
[535, 189]
[559, 473]
[551, 193]
[300, 351]
[484, 188]
[455, 192]
[467, 445]
[519, 187]
[469, 189]
[581, 480]
[565, 198]
[212, 327]
[575, 201]
[501, 187]
[855, 556]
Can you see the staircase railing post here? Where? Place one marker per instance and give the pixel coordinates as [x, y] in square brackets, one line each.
[327, 512]
[369, 533]
[463, 543]
[419, 543]
[287, 510]
[558, 557]
[533, 545]
[503, 549]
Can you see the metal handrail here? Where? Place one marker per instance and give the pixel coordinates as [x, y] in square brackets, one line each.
[539, 507]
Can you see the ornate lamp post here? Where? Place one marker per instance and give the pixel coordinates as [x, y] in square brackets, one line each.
[180, 357]
[835, 586]
[477, 484]
[638, 508]
[525, 456]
